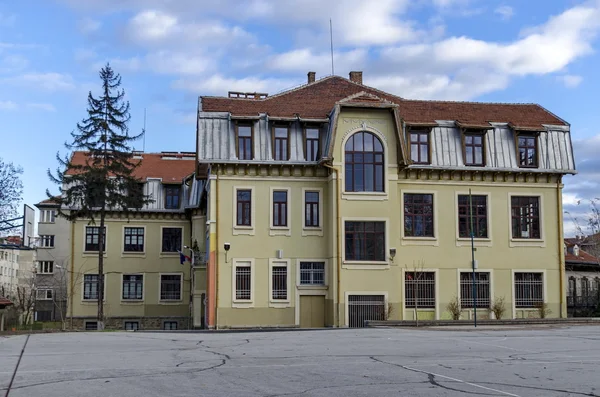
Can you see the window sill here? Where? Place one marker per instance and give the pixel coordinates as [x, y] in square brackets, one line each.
[365, 265]
[423, 309]
[242, 304]
[170, 302]
[90, 302]
[312, 287]
[132, 301]
[283, 304]
[312, 231]
[478, 242]
[280, 231]
[133, 254]
[93, 254]
[427, 241]
[526, 242]
[244, 230]
[365, 196]
[169, 255]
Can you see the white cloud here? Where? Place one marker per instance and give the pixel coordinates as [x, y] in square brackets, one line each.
[305, 59]
[570, 81]
[13, 63]
[8, 105]
[42, 106]
[44, 81]
[88, 25]
[220, 85]
[506, 12]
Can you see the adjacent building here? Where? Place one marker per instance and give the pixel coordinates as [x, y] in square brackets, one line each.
[335, 203]
[17, 267]
[583, 275]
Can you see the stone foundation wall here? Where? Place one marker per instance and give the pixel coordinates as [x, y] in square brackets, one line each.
[118, 323]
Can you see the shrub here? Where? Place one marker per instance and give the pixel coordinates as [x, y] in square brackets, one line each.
[454, 308]
[498, 307]
[543, 309]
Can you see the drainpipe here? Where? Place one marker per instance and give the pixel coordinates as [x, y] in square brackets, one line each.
[561, 254]
[217, 250]
[72, 280]
[338, 237]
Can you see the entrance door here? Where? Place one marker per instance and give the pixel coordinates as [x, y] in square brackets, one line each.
[312, 311]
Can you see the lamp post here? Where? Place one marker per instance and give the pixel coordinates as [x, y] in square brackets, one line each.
[191, 285]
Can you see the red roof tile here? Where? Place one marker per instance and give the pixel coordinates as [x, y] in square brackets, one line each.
[49, 201]
[582, 258]
[170, 167]
[5, 302]
[316, 100]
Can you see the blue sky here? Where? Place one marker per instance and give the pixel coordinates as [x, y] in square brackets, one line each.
[170, 52]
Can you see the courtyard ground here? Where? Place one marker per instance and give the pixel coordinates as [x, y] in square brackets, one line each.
[538, 361]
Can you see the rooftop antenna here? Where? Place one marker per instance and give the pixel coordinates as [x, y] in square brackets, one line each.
[144, 132]
[331, 41]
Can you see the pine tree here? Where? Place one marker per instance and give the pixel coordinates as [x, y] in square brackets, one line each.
[104, 180]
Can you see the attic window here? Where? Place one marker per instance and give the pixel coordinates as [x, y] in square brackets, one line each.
[527, 151]
[419, 146]
[474, 149]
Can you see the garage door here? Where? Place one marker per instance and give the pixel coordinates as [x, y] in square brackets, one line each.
[365, 307]
[312, 311]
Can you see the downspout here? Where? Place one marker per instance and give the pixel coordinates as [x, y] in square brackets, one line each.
[561, 242]
[338, 237]
[217, 250]
[72, 280]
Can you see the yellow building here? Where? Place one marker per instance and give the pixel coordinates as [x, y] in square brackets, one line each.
[146, 285]
[335, 203]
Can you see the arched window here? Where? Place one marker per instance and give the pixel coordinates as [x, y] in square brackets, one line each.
[572, 286]
[364, 163]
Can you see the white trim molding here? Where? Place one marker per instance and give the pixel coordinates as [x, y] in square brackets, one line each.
[527, 242]
[512, 287]
[244, 230]
[242, 262]
[366, 265]
[478, 241]
[280, 303]
[311, 230]
[280, 230]
[405, 309]
[133, 254]
[134, 301]
[170, 301]
[425, 241]
[346, 306]
[169, 254]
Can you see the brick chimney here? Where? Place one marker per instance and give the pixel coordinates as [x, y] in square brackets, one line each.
[311, 77]
[356, 77]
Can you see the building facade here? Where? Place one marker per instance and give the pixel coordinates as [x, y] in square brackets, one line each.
[17, 282]
[146, 285]
[583, 281]
[336, 203]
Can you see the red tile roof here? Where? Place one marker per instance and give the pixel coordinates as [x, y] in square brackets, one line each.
[583, 258]
[49, 201]
[316, 100]
[169, 166]
[5, 302]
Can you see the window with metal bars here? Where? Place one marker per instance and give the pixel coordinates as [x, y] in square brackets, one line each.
[134, 239]
[418, 215]
[280, 208]
[474, 150]
[243, 282]
[365, 241]
[312, 144]
[419, 147]
[482, 289]
[170, 325]
[419, 290]
[527, 151]
[312, 273]
[311, 209]
[171, 239]
[92, 238]
[280, 143]
[529, 290]
[479, 213]
[133, 285]
[170, 287]
[279, 283]
[244, 208]
[363, 308]
[131, 325]
[525, 214]
[244, 141]
[364, 163]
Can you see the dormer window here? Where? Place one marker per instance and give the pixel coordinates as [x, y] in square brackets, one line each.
[419, 147]
[172, 197]
[474, 150]
[527, 151]
[312, 144]
[244, 142]
[281, 143]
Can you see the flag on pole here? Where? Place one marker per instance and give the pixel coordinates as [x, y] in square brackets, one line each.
[183, 257]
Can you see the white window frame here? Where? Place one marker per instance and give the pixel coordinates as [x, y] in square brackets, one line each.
[437, 292]
[244, 230]
[365, 196]
[167, 253]
[492, 296]
[83, 288]
[134, 253]
[129, 300]
[166, 301]
[346, 306]
[279, 230]
[311, 230]
[512, 289]
[44, 294]
[312, 286]
[412, 240]
[366, 265]
[95, 253]
[466, 241]
[243, 262]
[47, 216]
[51, 237]
[527, 242]
[280, 303]
[43, 265]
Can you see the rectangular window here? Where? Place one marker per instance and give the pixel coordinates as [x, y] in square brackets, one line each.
[134, 239]
[529, 290]
[280, 208]
[243, 282]
[133, 285]
[172, 197]
[92, 235]
[171, 239]
[46, 267]
[525, 213]
[244, 141]
[47, 216]
[44, 294]
[279, 283]
[312, 273]
[419, 290]
[244, 208]
[365, 241]
[170, 325]
[418, 215]
[312, 144]
[91, 325]
[132, 325]
[280, 143]
[90, 286]
[482, 289]
[477, 211]
[311, 209]
[527, 151]
[474, 150]
[47, 241]
[419, 147]
[170, 287]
